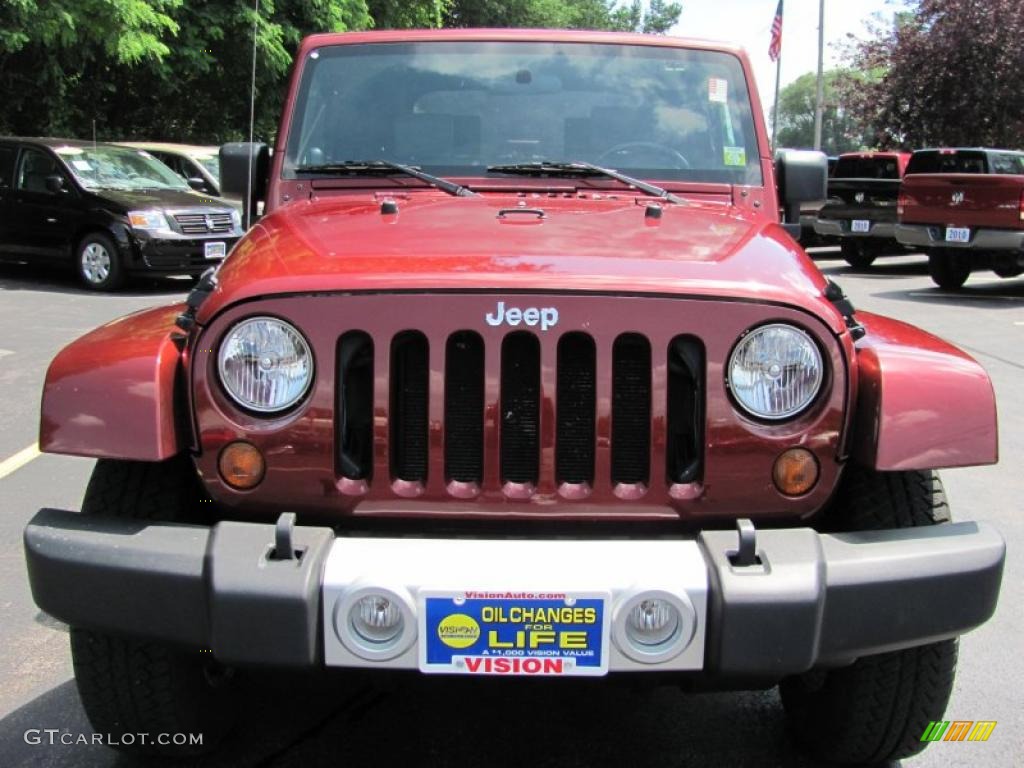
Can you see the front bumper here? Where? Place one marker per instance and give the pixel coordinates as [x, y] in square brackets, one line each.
[842, 228]
[810, 599]
[177, 255]
[934, 236]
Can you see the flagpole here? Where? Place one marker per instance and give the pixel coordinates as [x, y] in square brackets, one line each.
[819, 98]
[775, 109]
[777, 23]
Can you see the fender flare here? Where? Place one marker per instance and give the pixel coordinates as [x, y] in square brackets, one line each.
[922, 403]
[118, 391]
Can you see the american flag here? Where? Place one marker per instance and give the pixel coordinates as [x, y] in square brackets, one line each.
[775, 46]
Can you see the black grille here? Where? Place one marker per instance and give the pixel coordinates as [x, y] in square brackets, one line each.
[409, 402]
[575, 408]
[573, 427]
[631, 409]
[684, 441]
[204, 223]
[464, 407]
[520, 408]
[355, 406]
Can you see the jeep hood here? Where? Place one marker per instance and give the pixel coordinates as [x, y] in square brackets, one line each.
[504, 243]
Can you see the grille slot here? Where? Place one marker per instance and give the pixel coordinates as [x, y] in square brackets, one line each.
[631, 409]
[520, 408]
[576, 393]
[355, 406]
[464, 407]
[684, 439]
[409, 402]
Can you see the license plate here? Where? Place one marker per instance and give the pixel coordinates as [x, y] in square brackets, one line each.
[514, 633]
[860, 225]
[215, 250]
[958, 235]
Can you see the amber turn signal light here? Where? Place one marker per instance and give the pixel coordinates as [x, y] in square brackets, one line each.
[241, 465]
[795, 471]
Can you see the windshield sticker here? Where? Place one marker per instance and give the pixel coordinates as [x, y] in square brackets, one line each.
[734, 156]
[718, 90]
[82, 165]
[68, 151]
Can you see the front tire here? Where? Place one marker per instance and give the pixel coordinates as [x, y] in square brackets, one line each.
[948, 270]
[876, 709]
[859, 254]
[133, 686]
[98, 263]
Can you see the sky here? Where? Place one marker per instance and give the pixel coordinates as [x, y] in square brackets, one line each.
[748, 23]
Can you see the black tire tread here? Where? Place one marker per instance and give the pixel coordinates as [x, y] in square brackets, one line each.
[876, 709]
[129, 685]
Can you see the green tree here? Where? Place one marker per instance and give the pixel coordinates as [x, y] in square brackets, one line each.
[180, 70]
[948, 74]
[841, 130]
[658, 16]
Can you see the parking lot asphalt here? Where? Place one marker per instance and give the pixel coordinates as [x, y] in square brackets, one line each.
[409, 720]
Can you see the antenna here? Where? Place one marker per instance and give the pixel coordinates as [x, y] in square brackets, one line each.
[252, 117]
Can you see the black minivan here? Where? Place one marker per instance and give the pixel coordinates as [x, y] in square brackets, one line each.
[108, 210]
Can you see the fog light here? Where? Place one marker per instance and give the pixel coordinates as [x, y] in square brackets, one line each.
[795, 472]
[376, 619]
[652, 622]
[241, 465]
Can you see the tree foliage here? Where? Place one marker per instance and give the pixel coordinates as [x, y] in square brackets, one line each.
[180, 70]
[948, 73]
[841, 130]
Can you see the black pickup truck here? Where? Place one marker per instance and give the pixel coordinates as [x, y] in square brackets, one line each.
[861, 208]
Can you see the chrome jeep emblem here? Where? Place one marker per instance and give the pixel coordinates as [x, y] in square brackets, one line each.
[547, 317]
[958, 197]
[859, 197]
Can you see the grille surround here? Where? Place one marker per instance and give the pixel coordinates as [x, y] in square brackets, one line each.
[204, 223]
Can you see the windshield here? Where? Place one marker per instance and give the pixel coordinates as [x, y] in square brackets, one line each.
[457, 108]
[103, 167]
[211, 163]
[857, 167]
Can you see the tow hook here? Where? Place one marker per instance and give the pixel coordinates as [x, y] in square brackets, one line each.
[746, 555]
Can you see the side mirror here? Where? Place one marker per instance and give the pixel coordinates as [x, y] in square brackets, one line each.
[802, 177]
[198, 184]
[55, 184]
[244, 173]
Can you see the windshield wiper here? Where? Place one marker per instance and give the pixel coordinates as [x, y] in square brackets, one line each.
[546, 168]
[387, 167]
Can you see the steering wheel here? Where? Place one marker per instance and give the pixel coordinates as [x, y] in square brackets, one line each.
[679, 162]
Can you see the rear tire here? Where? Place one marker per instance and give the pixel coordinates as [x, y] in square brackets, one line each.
[948, 270]
[876, 709]
[859, 254]
[132, 686]
[98, 263]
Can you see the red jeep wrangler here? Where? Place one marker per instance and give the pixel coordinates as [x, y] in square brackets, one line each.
[469, 401]
[965, 208]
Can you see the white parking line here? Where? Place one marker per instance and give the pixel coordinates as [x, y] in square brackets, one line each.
[6, 352]
[18, 460]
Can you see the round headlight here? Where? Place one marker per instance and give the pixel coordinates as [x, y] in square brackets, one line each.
[775, 371]
[265, 364]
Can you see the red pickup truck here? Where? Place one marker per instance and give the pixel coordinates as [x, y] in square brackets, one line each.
[965, 208]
